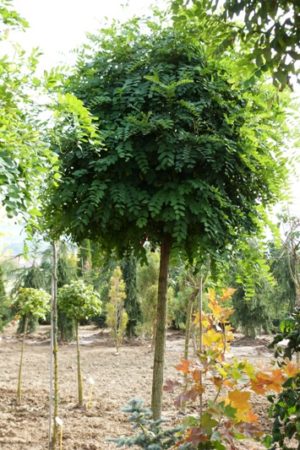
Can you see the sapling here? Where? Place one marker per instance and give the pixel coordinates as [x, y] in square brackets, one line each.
[117, 317]
[79, 302]
[30, 302]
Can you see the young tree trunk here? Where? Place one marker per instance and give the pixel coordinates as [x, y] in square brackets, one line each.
[200, 306]
[79, 377]
[19, 388]
[160, 336]
[188, 324]
[54, 356]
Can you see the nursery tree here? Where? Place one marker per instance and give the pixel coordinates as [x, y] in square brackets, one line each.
[272, 29]
[79, 301]
[189, 160]
[117, 317]
[24, 157]
[132, 306]
[4, 306]
[34, 302]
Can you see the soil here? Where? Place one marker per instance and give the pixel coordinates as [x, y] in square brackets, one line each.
[117, 379]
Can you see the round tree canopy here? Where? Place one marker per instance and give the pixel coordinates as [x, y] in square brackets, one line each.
[186, 155]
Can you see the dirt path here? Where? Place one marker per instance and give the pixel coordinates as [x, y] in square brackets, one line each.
[117, 380]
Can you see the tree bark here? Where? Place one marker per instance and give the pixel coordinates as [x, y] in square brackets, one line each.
[19, 389]
[160, 336]
[79, 377]
[54, 355]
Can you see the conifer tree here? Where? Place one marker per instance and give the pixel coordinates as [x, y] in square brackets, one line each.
[132, 306]
[117, 317]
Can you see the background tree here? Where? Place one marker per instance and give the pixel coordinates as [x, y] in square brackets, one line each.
[33, 302]
[79, 302]
[4, 306]
[24, 156]
[117, 317]
[147, 285]
[188, 156]
[66, 273]
[271, 29]
[132, 306]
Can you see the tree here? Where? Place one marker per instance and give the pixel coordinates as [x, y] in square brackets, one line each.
[66, 273]
[132, 306]
[24, 156]
[4, 307]
[79, 302]
[272, 28]
[117, 317]
[189, 160]
[34, 302]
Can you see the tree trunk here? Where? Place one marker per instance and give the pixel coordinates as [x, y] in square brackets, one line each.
[160, 336]
[79, 377]
[54, 356]
[188, 324]
[19, 389]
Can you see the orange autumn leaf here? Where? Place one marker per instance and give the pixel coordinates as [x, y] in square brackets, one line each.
[227, 294]
[184, 366]
[211, 295]
[218, 381]
[196, 374]
[239, 400]
[246, 416]
[291, 369]
[264, 382]
[277, 379]
[215, 308]
[229, 384]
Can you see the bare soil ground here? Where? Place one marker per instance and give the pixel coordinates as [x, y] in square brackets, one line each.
[117, 380]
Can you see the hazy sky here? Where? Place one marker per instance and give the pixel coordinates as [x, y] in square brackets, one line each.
[58, 26]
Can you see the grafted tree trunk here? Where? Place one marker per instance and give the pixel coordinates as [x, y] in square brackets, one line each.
[19, 388]
[79, 377]
[160, 336]
[54, 356]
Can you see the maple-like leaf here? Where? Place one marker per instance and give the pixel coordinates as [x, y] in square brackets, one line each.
[195, 436]
[264, 381]
[227, 294]
[291, 369]
[239, 400]
[184, 366]
[212, 337]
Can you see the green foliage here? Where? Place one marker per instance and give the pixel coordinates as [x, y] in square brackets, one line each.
[151, 434]
[147, 284]
[289, 329]
[24, 157]
[117, 317]
[34, 302]
[274, 30]
[132, 306]
[285, 407]
[66, 273]
[79, 301]
[5, 313]
[269, 29]
[187, 154]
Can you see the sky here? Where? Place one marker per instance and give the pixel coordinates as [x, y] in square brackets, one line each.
[59, 26]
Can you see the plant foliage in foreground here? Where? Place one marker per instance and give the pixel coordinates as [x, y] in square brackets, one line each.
[228, 415]
[285, 409]
[151, 435]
